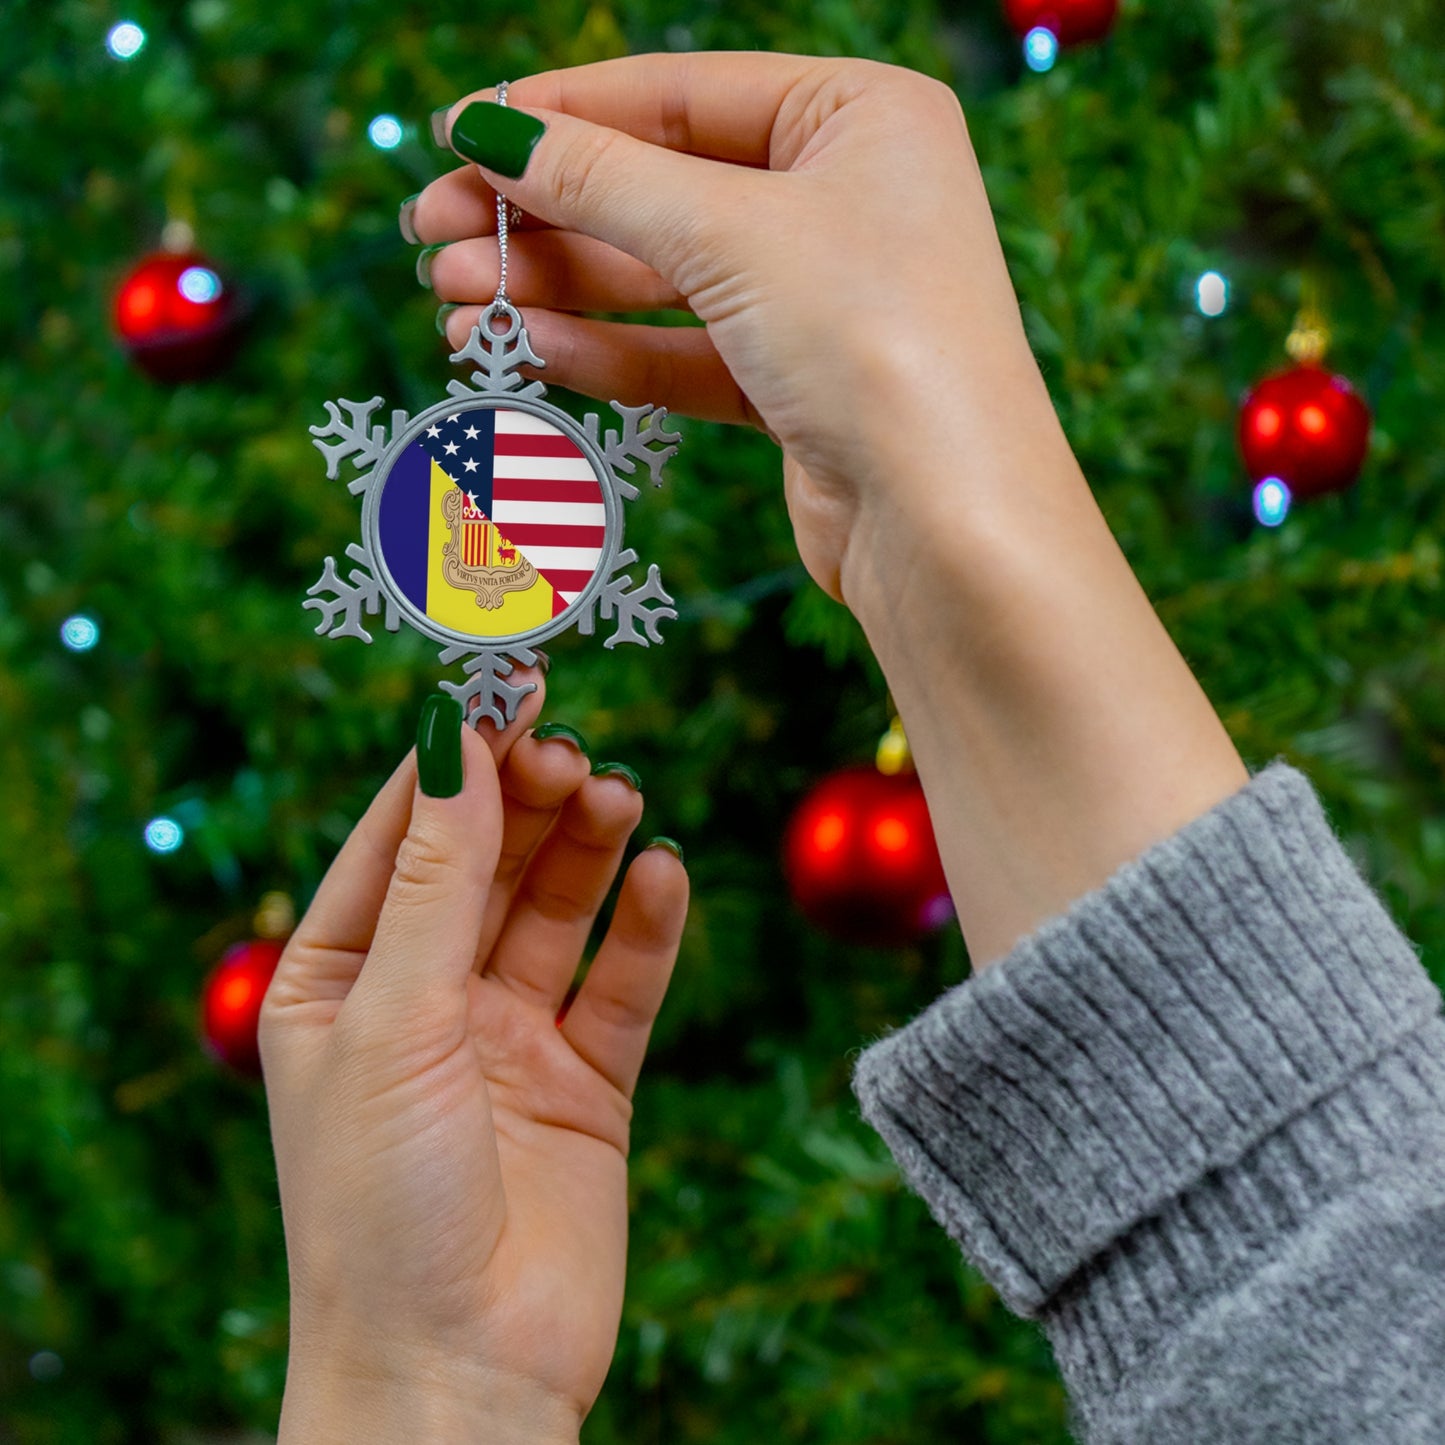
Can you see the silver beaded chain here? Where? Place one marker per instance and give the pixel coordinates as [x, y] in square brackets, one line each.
[501, 299]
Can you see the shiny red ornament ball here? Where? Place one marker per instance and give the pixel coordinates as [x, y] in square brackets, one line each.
[1307, 427]
[231, 1003]
[1073, 22]
[861, 860]
[176, 317]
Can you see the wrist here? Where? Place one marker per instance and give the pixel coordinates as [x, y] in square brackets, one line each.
[408, 1400]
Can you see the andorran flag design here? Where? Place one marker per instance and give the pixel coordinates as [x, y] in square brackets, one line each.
[492, 522]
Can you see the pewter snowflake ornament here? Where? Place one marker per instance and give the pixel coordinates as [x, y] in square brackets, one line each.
[492, 521]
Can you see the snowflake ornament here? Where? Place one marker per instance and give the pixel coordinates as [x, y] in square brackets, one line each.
[492, 521]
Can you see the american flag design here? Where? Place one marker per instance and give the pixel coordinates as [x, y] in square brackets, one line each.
[528, 494]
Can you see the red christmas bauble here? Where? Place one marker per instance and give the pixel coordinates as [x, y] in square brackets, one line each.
[861, 860]
[176, 317]
[231, 1003]
[1307, 427]
[1073, 22]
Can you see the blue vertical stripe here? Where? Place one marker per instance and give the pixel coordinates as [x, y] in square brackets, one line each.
[405, 502]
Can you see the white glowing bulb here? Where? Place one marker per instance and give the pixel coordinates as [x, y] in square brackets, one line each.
[199, 284]
[79, 633]
[1041, 48]
[385, 132]
[1211, 293]
[164, 835]
[1271, 502]
[126, 40]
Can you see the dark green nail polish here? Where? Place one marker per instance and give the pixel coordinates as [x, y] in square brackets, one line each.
[405, 222]
[496, 136]
[439, 125]
[443, 312]
[671, 844]
[561, 730]
[423, 262]
[617, 770]
[439, 747]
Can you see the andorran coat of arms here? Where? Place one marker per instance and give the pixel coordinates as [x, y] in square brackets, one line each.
[493, 520]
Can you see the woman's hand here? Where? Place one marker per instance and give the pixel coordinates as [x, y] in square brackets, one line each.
[825, 218]
[452, 1158]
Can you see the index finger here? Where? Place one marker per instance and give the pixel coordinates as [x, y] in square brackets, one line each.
[722, 105]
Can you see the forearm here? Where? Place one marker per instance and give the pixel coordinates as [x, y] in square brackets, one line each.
[1057, 730]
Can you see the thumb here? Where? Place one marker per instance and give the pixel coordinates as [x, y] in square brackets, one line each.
[651, 202]
[422, 952]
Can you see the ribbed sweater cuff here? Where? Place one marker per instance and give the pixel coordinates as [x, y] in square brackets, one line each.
[1214, 988]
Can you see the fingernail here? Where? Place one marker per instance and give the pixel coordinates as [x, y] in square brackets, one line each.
[439, 747]
[404, 220]
[671, 844]
[496, 136]
[423, 263]
[561, 730]
[443, 312]
[617, 770]
[439, 125]
[543, 661]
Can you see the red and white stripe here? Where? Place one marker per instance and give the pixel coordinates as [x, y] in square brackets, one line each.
[547, 501]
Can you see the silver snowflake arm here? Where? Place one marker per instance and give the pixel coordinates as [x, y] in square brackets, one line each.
[485, 693]
[643, 438]
[499, 354]
[360, 441]
[341, 613]
[630, 607]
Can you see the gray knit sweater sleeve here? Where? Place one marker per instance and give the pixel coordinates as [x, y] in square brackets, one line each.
[1195, 1126]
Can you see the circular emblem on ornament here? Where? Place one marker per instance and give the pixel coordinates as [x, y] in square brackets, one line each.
[492, 523]
[493, 520]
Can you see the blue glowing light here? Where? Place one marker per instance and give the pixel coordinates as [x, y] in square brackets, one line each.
[385, 132]
[80, 633]
[126, 40]
[199, 284]
[1271, 502]
[164, 835]
[1041, 48]
[1211, 293]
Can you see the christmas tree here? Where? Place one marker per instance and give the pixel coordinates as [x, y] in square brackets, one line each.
[178, 744]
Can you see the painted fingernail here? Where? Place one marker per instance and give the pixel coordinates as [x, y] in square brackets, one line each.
[423, 262]
[561, 730]
[439, 125]
[617, 770]
[443, 311]
[439, 747]
[404, 219]
[671, 844]
[496, 136]
[543, 661]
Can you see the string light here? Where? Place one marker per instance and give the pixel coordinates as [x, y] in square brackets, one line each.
[1211, 294]
[199, 284]
[80, 633]
[164, 835]
[385, 132]
[1271, 502]
[1041, 48]
[126, 40]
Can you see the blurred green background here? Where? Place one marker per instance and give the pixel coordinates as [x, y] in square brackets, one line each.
[783, 1284]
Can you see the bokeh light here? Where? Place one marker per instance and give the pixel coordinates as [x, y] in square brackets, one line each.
[80, 633]
[1211, 293]
[385, 132]
[164, 835]
[199, 284]
[126, 40]
[1271, 501]
[1041, 48]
